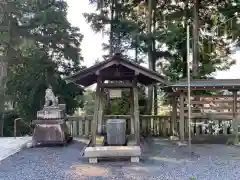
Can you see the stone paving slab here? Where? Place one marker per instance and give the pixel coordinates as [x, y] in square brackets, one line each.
[11, 145]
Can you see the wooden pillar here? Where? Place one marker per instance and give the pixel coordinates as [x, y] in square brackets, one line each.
[181, 121]
[132, 110]
[136, 113]
[95, 115]
[100, 111]
[174, 115]
[235, 120]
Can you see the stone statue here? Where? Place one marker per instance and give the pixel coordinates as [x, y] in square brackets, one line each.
[50, 98]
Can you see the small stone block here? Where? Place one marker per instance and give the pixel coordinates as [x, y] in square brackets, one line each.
[99, 140]
[180, 144]
[135, 159]
[174, 138]
[113, 151]
[29, 145]
[93, 160]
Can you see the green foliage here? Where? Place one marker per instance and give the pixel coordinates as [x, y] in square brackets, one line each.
[165, 41]
[170, 31]
[118, 106]
[88, 99]
[41, 47]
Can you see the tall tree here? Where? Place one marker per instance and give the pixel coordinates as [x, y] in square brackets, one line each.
[195, 48]
[169, 34]
[47, 48]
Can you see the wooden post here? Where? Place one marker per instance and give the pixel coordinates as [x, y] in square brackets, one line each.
[80, 127]
[235, 120]
[95, 115]
[87, 131]
[174, 115]
[74, 128]
[15, 127]
[181, 121]
[136, 113]
[132, 110]
[100, 112]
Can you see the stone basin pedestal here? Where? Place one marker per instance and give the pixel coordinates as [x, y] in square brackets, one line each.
[50, 126]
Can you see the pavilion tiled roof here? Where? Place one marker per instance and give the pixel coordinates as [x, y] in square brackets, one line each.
[87, 77]
[201, 84]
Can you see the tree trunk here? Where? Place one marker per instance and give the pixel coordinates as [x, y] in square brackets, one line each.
[4, 70]
[184, 53]
[111, 30]
[111, 51]
[195, 38]
[150, 55]
[155, 98]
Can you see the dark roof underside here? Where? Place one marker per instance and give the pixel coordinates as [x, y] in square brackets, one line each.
[126, 70]
[218, 84]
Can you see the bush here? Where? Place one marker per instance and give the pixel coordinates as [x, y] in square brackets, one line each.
[8, 121]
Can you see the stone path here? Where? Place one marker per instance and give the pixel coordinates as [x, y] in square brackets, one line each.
[11, 145]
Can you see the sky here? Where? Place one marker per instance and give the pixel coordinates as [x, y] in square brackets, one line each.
[92, 42]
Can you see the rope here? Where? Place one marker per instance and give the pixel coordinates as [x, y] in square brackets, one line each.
[215, 27]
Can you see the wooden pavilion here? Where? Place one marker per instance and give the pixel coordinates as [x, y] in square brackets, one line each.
[179, 101]
[117, 73]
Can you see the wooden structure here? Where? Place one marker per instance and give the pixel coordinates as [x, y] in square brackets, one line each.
[80, 126]
[120, 73]
[204, 107]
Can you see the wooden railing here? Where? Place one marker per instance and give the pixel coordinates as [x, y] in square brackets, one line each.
[149, 125]
[217, 106]
[18, 123]
[210, 114]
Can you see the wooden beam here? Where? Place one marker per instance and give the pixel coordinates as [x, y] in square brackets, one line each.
[145, 72]
[90, 117]
[100, 112]
[120, 76]
[136, 113]
[181, 122]
[84, 73]
[116, 85]
[95, 115]
[132, 111]
[212, 96]
[174, 115]
[235, 120]
[206, 88]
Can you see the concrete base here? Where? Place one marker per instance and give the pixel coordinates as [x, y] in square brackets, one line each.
[51, 133]
[134, 159]
[180, 144]
[174, 138]
[93, 160]
[113, 151]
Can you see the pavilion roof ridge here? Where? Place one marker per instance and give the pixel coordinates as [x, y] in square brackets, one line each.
[117, 59]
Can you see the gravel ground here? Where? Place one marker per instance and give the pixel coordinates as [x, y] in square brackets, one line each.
[162, 160]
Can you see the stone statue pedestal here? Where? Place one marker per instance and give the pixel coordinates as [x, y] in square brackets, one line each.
[50, 126]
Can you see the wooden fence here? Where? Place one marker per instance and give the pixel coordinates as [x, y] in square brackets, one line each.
[149, 125]
[210, 114]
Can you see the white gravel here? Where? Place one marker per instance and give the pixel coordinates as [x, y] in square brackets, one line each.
[163, 161]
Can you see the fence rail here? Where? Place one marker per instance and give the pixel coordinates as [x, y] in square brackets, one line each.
[154, 125]
[149, 125]
[211, 115]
